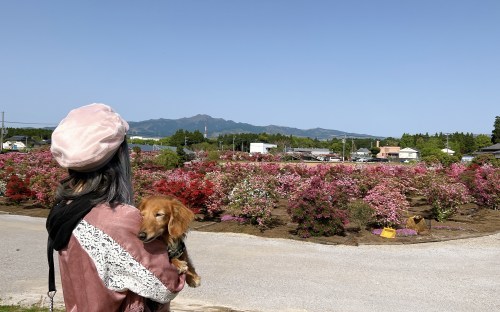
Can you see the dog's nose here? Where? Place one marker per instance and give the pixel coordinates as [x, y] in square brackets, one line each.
[142, 236]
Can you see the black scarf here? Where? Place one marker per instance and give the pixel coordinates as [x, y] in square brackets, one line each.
[61, 222]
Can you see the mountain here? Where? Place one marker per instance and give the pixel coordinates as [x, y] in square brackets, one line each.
[218, 126]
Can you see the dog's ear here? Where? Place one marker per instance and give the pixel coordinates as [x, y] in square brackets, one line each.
[180, 218]
[142, 204]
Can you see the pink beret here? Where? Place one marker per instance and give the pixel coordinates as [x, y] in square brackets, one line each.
[88, 137]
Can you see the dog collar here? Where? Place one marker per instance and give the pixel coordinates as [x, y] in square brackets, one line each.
[176, 249]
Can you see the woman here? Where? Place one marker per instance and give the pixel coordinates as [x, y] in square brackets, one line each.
[103, 264]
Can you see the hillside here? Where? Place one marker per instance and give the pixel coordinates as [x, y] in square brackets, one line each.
[218, 126]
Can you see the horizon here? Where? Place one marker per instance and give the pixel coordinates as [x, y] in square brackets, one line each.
[380, 68]
[282, 126]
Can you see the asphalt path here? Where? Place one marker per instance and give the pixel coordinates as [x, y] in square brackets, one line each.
[247, 273]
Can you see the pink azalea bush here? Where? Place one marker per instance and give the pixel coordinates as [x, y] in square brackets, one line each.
[249, 187]
[388, 202]
[487, 186]
[253, 198]
[445, 196]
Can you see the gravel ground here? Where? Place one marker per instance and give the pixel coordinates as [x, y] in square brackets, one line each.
[247, 273]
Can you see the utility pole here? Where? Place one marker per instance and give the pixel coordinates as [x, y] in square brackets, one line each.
[343, 148]
[1, 136]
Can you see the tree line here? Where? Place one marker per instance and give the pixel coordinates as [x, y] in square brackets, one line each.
[426, 144]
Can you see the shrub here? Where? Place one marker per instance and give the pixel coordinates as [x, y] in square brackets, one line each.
[486, 186]
[388, 203]
[312, 207]
[484, 159]
[360, 212]
[17, 189]
[254, 198]
[445, 196]
[168, 159]
[191, 188]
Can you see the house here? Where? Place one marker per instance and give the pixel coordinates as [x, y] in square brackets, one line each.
[321, 154]
[493, 149]
[312, 151]
[389, 152]
[15, 146]
[448, 151]
[150, 148]
[408, 154]
[362, 153]
[20, 142]
[262, 148]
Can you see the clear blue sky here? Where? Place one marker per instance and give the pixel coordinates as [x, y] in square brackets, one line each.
[374, 67]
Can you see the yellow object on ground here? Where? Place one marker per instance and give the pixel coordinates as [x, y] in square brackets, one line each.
[388, 233]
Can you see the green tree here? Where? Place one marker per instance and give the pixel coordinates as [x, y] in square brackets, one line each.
[336, 146]
[168, 159]
[407, 140]
[183, 157]
[495, 135]
[195, 137]
[482, 140]
[375, 150]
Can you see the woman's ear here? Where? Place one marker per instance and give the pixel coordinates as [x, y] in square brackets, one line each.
[180, 218]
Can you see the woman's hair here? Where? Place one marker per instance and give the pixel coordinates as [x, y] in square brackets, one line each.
[110, 184]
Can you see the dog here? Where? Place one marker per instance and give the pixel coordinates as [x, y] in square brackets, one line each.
[167, 218]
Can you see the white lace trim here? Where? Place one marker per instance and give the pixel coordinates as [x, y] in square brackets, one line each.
[118, 270]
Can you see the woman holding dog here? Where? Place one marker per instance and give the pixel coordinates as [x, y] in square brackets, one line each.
[103, 264]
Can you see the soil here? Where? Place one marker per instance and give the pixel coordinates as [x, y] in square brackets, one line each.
[469, 221]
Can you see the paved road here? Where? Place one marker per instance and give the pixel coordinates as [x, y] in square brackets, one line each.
[248, 273]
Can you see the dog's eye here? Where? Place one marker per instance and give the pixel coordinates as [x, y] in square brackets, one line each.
[159, 214]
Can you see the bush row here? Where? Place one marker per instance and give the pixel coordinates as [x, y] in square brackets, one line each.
[321, 199]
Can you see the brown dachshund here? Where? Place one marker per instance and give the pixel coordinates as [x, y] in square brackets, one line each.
[167, 218]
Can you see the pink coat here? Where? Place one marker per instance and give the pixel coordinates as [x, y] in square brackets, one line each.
[105, 267]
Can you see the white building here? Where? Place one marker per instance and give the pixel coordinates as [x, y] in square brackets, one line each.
[136, 137]
[262, 148]
[408, 154]
[15, 146]
[448, 151]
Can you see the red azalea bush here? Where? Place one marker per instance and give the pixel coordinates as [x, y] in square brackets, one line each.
[17, 189]
[189, 187]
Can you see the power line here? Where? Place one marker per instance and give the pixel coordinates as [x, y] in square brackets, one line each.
[30, 123]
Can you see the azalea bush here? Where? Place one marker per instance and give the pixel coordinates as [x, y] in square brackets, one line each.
[254, 198]
[189, 187]
[486, 189]
[445, 196]
[389, 204]
[17, 189]
[314, 208]
[321, 199]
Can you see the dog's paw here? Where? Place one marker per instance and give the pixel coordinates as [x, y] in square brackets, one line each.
[193, 281]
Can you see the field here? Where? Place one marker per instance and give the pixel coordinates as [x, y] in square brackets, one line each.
[469, 221]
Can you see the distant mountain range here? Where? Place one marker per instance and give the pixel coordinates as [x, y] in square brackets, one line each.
[218, 126]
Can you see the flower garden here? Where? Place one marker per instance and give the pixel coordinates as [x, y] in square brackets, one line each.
[320, 200]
